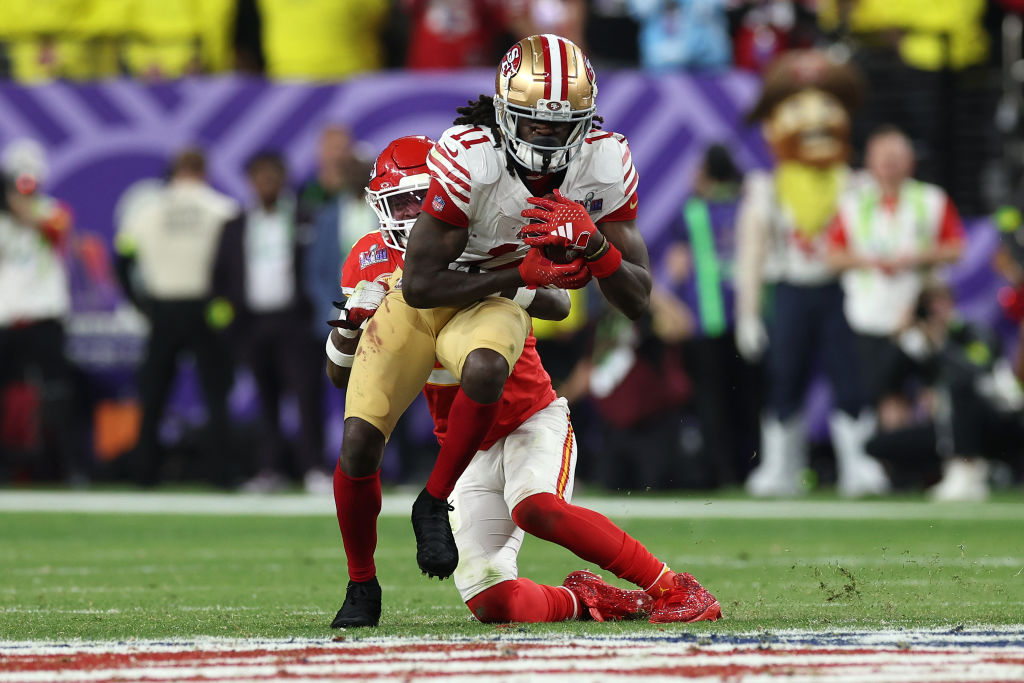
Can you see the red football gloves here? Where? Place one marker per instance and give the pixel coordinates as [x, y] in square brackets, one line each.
[564, 223]
[539, 271]
[567, 224]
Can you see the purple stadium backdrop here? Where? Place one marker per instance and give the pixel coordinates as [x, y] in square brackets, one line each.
[103, 137]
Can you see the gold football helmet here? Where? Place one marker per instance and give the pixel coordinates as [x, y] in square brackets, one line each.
[547, 78]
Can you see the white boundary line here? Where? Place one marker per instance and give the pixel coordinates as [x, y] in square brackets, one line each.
[399, 504]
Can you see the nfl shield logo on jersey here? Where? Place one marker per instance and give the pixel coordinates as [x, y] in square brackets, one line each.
[438, 203]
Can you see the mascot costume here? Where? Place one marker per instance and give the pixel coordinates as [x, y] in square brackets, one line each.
[804, 111]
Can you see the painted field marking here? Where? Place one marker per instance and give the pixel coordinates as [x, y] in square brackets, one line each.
[977, 654]
[399, 504]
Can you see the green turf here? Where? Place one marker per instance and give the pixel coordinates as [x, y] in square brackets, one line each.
[98, 576]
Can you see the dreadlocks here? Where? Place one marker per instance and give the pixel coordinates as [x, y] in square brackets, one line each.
[481, 113]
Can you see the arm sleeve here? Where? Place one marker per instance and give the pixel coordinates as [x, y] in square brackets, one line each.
[752, 243]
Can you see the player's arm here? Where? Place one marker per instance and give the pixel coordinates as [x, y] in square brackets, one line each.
[344, 346]
[363, 301]
[628, 287]
[426, 280]
[545, 303]
[839, 256]
[613, 250]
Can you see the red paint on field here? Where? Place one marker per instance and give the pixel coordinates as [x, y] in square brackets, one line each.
[349, 661]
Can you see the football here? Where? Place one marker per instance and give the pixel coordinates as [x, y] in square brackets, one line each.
[560, 254]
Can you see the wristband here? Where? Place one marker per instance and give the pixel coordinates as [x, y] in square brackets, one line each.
[524, 296]
[342, 360]
[606, 261]
[601, 251]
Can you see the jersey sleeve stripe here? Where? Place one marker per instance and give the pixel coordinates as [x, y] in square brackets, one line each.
[630, 184]
[448, 179]
[453, 192]
[626, 156]
[448, 156]
[598, 135]
[452, 175]
[452, 184]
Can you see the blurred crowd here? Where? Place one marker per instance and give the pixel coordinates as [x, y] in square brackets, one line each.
[249, 285]
[332, 39]
[931, 65]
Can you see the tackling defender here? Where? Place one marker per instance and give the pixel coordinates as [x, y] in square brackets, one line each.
[532, 139]
[520, 481]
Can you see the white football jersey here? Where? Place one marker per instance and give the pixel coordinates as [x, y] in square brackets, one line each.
[473, 173]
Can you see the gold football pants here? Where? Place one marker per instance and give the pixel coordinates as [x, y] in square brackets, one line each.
[397, 350]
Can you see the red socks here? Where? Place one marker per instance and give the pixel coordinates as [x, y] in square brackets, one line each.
[357, 502]
[636, 564]
[522, 600]
[468, 424]
[590, 535]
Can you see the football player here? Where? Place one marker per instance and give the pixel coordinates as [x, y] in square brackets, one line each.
[532, 143]
[521, 479]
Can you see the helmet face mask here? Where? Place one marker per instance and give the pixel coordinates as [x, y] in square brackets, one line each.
[397, 209]
[398, 184]
[543, 154]
[544, 79]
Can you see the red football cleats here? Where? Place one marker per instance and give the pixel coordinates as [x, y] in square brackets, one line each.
[604, 601]
[685, 601]
[564, 223]
[539, 271]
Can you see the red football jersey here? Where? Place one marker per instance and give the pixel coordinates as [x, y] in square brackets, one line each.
[527, 390]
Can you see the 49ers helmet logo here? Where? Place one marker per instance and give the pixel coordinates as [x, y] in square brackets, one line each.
[511, 61]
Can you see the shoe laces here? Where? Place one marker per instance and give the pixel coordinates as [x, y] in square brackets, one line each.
[432, 514]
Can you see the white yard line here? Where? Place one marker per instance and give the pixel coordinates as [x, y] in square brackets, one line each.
[399, 504]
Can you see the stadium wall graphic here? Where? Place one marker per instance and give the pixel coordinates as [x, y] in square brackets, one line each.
[104, 137]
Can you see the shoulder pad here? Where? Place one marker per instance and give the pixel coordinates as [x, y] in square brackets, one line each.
[473, 148]
[607, 152]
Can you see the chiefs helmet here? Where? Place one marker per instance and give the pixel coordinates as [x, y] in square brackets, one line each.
[546, 78]
[398, 183]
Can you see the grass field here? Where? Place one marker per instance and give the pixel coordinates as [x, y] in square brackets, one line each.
[836, 566]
